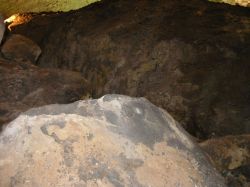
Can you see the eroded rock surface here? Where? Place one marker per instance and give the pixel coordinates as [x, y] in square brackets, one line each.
[113, 141]
[231, 156]
[189, 58]
[24, 86]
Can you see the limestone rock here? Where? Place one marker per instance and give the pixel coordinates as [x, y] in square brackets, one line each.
[231, 156]
[20, 47]
[113, 141]
[24, 86]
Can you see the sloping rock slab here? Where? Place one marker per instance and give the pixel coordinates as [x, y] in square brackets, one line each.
[24, 86]
[113, 141]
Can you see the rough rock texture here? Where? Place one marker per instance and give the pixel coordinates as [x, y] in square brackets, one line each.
[113, 141]
[189, 58]
[2, 28]
[18, 47]
[231, 156]
[24, 86]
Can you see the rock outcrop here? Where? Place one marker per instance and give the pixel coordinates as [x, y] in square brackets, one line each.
[113, 141]
[191, 58]
[24, 86]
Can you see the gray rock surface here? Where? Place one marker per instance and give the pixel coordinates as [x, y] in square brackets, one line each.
[113, 141]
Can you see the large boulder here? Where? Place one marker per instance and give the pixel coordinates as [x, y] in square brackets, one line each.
[191, 59]
[113, 141]
[24, 86]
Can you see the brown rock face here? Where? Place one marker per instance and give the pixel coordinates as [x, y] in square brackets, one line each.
[231, 156]
[25, 86]
[189, 58]
[18, 47]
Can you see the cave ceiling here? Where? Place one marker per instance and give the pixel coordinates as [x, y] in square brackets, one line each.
[10, 7]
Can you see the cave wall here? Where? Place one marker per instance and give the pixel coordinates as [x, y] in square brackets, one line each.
[190, 59]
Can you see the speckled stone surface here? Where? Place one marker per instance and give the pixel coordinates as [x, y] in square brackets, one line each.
[112, 141]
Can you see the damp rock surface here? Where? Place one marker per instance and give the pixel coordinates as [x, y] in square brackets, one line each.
[113, 141]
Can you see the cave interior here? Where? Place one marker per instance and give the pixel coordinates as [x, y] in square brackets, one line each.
[189, 58]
